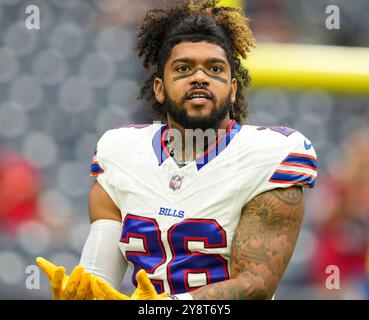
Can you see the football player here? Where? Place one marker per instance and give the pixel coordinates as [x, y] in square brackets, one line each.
[212, 218]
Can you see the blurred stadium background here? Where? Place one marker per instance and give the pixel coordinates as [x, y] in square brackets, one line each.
[63, 86]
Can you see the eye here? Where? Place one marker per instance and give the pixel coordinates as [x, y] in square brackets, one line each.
[182, 69]
[216, 69]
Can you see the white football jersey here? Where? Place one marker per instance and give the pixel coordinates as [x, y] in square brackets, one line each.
[178, 223]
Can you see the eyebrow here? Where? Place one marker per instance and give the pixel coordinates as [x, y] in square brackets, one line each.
[209, 60]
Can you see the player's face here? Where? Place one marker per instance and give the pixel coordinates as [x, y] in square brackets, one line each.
[190, 65]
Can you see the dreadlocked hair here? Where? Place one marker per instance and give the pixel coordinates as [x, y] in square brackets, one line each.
[195, 20]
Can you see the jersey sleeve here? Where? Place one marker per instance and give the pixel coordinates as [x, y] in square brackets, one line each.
[288, 161]
[101, 168]
[299, 167]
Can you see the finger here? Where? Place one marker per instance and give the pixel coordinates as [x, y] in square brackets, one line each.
[108, 292]
[136, 294]
[57, 283]
[90, 294]
[145, 289]
[70, 289]
[97, 292]
[48, 267]
[143, 281]
[83, 287]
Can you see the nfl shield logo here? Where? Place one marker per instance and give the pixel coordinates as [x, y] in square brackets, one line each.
[176, 182]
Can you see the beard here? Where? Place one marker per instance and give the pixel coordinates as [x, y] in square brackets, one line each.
[211, 121]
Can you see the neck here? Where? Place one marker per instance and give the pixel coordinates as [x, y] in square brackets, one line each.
[190, 144]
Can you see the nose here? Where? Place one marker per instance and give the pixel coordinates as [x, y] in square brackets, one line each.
[199, 77]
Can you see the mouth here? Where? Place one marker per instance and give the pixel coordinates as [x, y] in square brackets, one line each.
[199, 95]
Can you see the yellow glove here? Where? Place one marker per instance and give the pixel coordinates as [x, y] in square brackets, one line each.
[63, 287]
[145, 289]
[102, 291]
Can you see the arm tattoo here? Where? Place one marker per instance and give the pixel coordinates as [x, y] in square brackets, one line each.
[262, 247]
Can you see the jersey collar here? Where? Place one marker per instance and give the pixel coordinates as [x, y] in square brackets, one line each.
[162, 153]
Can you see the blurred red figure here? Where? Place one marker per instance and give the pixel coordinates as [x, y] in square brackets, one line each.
[344, 206]
[19, 189]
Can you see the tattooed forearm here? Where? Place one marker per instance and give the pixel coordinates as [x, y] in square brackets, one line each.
[262, 246]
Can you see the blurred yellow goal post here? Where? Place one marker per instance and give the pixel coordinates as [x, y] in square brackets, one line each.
[300, 66]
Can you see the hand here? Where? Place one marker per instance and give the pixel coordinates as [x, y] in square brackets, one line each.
[145, 289]
[102, 291]
[63, 287]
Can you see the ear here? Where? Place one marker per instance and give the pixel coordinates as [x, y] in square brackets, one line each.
[159, 90]
[234, 88]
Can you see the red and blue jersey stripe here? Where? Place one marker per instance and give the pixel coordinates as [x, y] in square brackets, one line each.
[302, 161]
[95, 168]
[305, 172]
